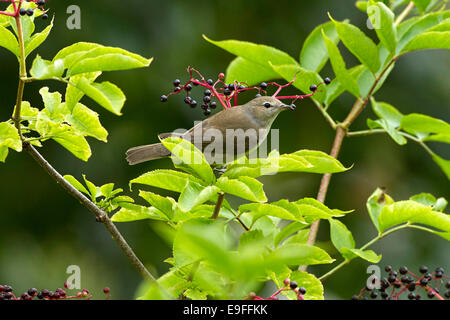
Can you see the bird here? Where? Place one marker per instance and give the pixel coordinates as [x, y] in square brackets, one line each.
[224, 136]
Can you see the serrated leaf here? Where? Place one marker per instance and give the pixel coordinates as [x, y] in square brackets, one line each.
[429, 40]
[257, 53]
[44, 69]
[163, 204]
[132, 212]
[9, 138]
[243, 187]
[74, 95]
[321, 162]
[107, 59]
[9, 41]
[375, 203]
[339, 68]
[165, 179]
[340, 235]
[367, 255]
[314, 54]
[195, 194]
[72, 141]
[299, 254]
[386, 31]
[387, 112]
[106, 94]
[191, 158]
[258, 210]
[86, 122]
[359, 44]
[37, 39]
[312, 210]
[243, 70]
[419, 123]
[412, 212]
[76, 184]
[288, 230]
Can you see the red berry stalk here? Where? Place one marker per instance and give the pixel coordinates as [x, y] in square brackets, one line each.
[227, 94]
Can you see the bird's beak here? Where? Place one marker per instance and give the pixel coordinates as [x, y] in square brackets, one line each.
[286, 106]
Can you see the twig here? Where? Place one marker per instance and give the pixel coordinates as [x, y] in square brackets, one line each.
[404, 13]
[218, 205]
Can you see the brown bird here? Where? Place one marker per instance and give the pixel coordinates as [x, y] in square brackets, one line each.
[225, 135]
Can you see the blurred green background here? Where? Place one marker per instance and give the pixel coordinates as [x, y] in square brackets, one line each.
[44, 230]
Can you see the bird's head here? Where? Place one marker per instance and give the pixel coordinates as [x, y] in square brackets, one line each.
[265, 109]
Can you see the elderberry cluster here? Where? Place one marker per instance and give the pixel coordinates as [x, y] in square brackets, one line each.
[404, 282]
[7, 293]
[29, 12]
[218, 92]
[288, 286]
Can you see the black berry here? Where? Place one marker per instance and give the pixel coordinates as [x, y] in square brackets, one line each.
[302, 290]
[213, 105]
[403, 270]
[373, 295]
[423, 282]
[44, 16]
[193, 104]
[327, 80]
[206, 99]
[41, 2]
[32, 291]
[227, 92]
[313, 88]
[411, 296]
[30, 12]
[207, 92]
[163, 98]
[210, 82]
[440, 270]
[188, 87]
[431, 294]
[423, 269]
[388, 268]
[23, 11]
[176, 89]
[293, 284]
[207, 112]
[176, 82]
[263, 85]
[187, 100]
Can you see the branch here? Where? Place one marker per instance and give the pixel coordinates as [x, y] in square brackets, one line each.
[218, 205]
[100, 215]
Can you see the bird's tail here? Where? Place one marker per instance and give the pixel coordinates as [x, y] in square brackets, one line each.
[146, 153]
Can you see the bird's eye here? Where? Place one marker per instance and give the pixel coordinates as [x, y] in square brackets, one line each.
[267, 105]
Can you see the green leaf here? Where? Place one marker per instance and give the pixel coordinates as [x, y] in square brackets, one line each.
[132, 212]
[362, 5]
[163, 204]
[359, 44]
[195, 194]
[303, 79]
[243, 70]
[299, 254]
[72, 141]
[314, 54]
[424, 198]
[313, 286]
[418, 123]
[44, 69]
[340, 235]
[243, 187]
[320, 161]
[258, 210]
[108, 59]
[421, 4]
[340, 70]
[76, 184]
[74, 95]
[367, 255]
[375, 203]
[93, 190]
[312, 210]
[52, 101]
[335, 88]
[386, 31]
[387, 112]
[37, 39]
[393, 133]
[288, 230]
[165, 179]
[430, 40]
[420, 26]
[191, 158]
[75, 52]
[9, 138]
[107, 189]
[85, 121]
[410, 211]
[257, 53]
[9, 41]
[106, 94]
